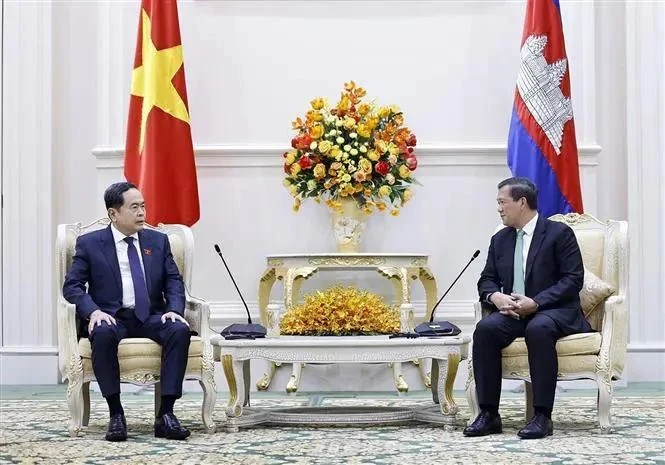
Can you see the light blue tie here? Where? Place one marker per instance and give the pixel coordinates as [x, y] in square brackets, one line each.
[518, 271]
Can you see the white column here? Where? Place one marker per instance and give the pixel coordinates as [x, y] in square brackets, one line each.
[645, 117]
[28, 299]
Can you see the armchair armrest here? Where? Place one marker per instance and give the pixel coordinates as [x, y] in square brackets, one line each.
[69, 357]
[614, 336]
[481, 310]
[197, 314]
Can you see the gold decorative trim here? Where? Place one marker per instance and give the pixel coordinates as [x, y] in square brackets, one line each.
[144, 377]
[421, 261]
[275, 262]
[232, 409]
[449, 407]
[347, 261]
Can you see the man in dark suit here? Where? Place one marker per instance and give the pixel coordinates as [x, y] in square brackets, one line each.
[134, 289]
[532, 280]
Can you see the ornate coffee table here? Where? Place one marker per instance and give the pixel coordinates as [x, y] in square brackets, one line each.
[293, 269]
[446, 354]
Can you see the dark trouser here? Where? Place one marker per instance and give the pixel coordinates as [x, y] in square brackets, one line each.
[497, 331]
[172, 336]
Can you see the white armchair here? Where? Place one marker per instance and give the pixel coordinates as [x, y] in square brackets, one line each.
[599, 356]
[140, 358]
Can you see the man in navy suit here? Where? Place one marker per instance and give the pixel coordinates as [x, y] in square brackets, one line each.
[532, 279]
[134, 289]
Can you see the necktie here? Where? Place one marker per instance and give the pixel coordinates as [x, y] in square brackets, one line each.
[518, 270]
[141, 300]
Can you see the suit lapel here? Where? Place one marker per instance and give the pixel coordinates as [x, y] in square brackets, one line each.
[536, 242]
[111, 255]
[146, 250]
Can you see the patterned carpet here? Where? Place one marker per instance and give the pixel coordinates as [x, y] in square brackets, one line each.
[34, 430]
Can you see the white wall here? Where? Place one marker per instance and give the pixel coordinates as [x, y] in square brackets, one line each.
[251, 68]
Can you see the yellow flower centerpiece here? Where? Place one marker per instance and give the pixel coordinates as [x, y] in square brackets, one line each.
[340, 311]
[355, 150]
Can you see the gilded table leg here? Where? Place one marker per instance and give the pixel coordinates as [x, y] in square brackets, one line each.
[400, 384]
[429, 284]
[294, 381]
[446, 380]
[233, 370]
[265, 287]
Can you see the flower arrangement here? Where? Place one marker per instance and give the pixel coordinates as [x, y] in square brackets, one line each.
[340, 311]
[354, 150]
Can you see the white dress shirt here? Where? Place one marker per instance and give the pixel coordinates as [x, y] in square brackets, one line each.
[528, 229]
[128, 298]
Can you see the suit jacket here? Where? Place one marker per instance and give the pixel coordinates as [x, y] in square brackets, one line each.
[95, 263]
[554, 272]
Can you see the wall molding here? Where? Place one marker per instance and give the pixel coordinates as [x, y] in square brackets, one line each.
[250, 155]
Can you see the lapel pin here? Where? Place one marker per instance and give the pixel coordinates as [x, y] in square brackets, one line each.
[147, 251]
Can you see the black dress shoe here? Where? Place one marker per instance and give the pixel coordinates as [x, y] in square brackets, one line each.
[484, 424]
[117, 430]
[168, 426]
[538, 427]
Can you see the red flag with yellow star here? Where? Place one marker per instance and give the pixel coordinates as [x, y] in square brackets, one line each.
[159, 156]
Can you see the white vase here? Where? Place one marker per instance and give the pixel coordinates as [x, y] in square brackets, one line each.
[348, 225]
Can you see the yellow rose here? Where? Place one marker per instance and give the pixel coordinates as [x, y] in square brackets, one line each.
[335, 151]
[320, 171]
[373, 155]
[384, 112]
[325, 146]
[295, 169]
[364, 131]
[372, 123]
[365, 165]
[381, 147]
[384, 191]
[392, 148]
[363, 109]
[346, 177]
[404, 172]
[407, 194]
[349, 123]
[290, 158]
[311, 184]
[316, 131]
[317, 103]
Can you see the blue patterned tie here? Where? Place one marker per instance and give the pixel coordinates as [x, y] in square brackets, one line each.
[518, 270]
[141, 300]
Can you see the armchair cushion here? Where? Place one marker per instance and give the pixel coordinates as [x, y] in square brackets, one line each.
[140, 347]
[575, 344]
[594, 291]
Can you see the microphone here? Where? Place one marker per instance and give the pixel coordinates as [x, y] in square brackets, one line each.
[240, 331]
[443, 328]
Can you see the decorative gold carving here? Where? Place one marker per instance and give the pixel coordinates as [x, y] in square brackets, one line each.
[141, 377]
[420, 261]
[268, 275]
[347, 261]
[292, 385]
[448, 407]
[275, 262]
[401, 384]
[232, 408]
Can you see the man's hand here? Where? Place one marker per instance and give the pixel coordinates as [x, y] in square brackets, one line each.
[524, 305]
[506, 304]
[173, 316]
[96, 319]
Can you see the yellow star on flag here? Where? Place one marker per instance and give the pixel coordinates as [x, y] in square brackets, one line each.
[152, 80]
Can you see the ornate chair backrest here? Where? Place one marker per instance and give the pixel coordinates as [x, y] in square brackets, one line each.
[180, 237]
[604, 247]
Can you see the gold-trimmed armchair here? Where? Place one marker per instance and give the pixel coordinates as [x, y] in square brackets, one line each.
[599, 356]
[140, 358]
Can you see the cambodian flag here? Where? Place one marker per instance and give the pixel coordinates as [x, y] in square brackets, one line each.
[541, 141]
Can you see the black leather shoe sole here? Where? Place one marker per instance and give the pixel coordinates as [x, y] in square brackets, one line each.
[534, 434]
[160, 433]
[116, 437]
[476, 433]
